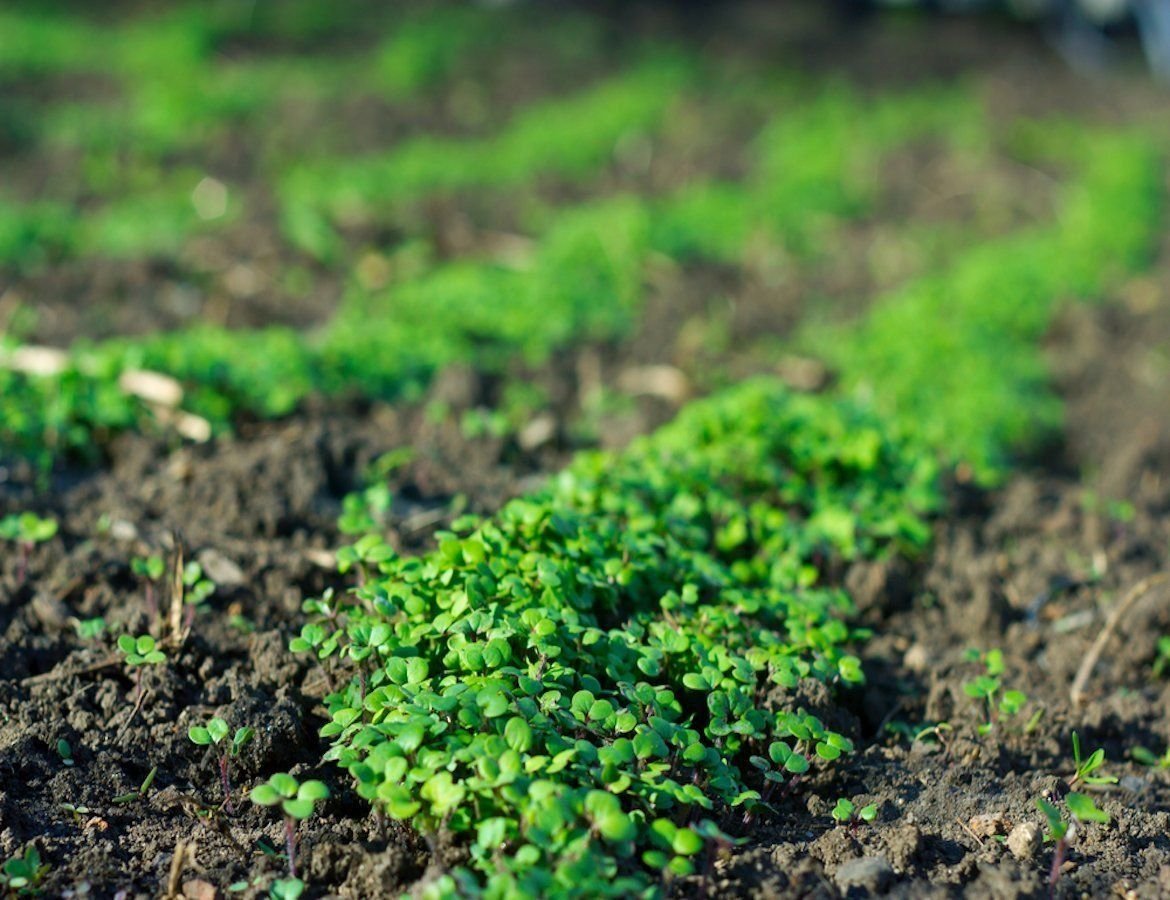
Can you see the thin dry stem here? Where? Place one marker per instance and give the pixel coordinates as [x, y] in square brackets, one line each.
[1139, 590]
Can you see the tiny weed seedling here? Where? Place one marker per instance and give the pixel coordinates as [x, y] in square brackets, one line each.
[1081, 809]
[143, 789]
[1145, 757]
[27, 530]
[366, 555]
[846, 812]
[297, 801]
[89, 629]
[1162, 660]
[65, 752]
[140, 652]
[213, 734]
[76, 813]
[286, 889]
[150, 569]
[988, 687]
[1087, 766]
[22, 875]
[196, 590]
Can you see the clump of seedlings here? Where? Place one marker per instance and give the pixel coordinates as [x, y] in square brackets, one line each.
[297, 801]
[214, 734]
[988, 687]
[27, 530]
[569, 686]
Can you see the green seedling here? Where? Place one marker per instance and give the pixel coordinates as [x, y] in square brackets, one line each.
[22, 875]
[846, 812]
[214, 733]
[1085, 767]
[143, 789]
[65, 752]
[1146, 757]
[89, 629]
[76, 813]
[196, 590]
[27, 530]
[150, 569]
[286, 889]
[1081, 810]
[241, 623]
[1162, 659]
[988, 687]
[140, 652]
[296, 800]
[364, 512]
[366, 555]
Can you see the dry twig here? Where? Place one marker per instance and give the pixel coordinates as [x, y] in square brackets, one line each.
[1139, 590]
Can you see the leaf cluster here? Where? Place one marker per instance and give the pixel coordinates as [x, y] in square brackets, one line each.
[216, 730]
[22, 875]
[27, 528]
[296, 800]
[142, 650]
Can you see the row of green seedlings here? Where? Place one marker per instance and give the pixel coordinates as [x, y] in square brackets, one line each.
[22, 875]
[585, 280]
[584, 688]
[957, 354]
[572, 135]
[126, 149]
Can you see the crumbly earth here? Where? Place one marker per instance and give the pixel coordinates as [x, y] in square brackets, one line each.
[1030, 569]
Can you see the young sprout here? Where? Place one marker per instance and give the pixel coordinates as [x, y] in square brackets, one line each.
[143, 789]
[150, 569]
[1144, 756]
[140, 651]
[89, 629]
[28, 530]
[1082, 809]
[196, 590]
[366, 554]
[65, 751]
[23, 874]
[1162, 660]
[846, 812]
[297, 801]
[1085, 767]
[213, 734]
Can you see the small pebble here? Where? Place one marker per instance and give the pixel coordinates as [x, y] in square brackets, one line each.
[1025, 841]
[870, 873]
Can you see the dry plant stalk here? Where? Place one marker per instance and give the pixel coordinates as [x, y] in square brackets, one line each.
[1139, 590]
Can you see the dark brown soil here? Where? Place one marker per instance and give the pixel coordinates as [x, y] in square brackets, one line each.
[1029, 569]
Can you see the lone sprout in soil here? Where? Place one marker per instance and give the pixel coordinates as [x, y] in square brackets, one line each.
[213, 734]
[296, 800]
[150, 569]
[140, 651]
[1085, 767]
[21, 876]
[28, 530]
[846, 812]
[1081, 809]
